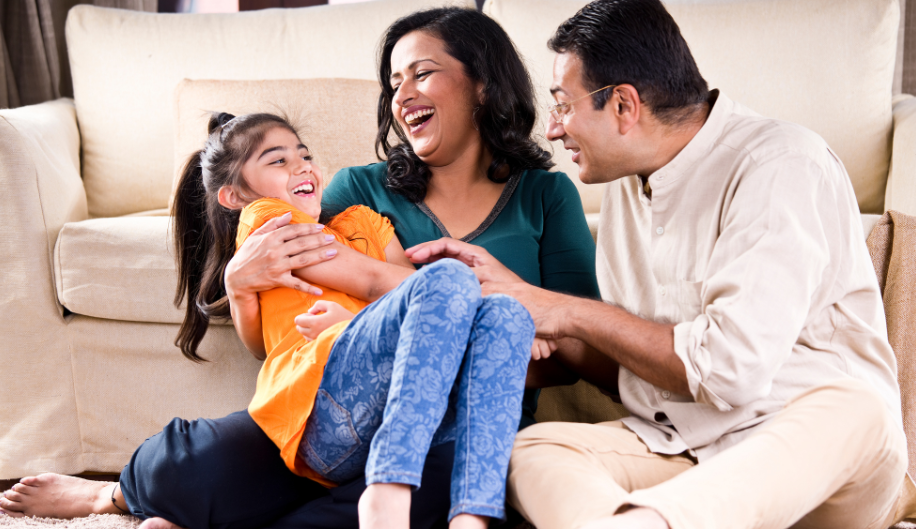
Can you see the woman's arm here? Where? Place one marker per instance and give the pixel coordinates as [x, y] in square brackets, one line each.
[265, 261]
[358, 274]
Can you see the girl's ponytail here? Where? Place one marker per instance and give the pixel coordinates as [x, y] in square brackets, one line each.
[193, 239]
[205, 231]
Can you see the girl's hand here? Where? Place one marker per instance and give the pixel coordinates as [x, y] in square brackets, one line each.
[542, 348]
[265, 260]
[322, 315]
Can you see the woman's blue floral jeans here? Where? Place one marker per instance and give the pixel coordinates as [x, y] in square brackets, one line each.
[429, 362]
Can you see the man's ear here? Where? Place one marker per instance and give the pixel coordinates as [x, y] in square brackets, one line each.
[229, 198]
[626, 106]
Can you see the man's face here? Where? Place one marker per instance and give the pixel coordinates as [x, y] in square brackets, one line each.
[591, 135]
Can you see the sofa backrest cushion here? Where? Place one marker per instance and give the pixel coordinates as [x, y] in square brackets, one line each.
[336, 118]
[126, 64]
[825, 64]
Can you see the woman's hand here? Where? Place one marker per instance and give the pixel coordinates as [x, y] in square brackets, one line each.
[266, 259]
[322, 315]
[485, 265]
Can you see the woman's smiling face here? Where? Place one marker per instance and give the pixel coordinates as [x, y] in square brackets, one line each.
[434, 99]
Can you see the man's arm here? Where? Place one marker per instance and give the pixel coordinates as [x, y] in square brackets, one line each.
[644, 347]
[608, 335]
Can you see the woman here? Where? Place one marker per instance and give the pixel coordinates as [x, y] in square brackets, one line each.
[457, 96]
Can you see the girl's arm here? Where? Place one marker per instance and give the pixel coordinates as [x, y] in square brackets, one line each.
[359, 275]
[246, 317]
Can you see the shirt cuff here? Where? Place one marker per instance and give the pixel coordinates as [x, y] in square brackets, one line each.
[688, 339]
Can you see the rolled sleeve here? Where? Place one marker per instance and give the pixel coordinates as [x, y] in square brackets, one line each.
[698, 365]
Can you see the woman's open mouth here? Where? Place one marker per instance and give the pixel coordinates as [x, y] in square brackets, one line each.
[418, 119]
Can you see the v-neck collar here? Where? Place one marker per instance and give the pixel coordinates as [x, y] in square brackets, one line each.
[500, 204]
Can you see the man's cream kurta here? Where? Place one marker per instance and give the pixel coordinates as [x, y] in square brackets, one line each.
[752, 245]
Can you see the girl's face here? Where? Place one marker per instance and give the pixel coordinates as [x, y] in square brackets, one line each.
[434, 99]
[282, 168]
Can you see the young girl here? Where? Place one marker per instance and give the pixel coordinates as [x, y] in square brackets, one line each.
[429, 362]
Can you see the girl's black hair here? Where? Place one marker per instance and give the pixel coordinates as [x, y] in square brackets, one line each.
[506, 117]
[204, 230]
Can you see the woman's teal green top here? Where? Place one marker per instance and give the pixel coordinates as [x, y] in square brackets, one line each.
[537, 229]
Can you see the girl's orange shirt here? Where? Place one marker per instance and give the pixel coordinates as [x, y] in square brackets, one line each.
[289, 379]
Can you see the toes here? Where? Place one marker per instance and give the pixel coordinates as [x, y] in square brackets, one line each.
[29, 480]
[8, 507]
[11, 496]
[11, 514]
[21, 489]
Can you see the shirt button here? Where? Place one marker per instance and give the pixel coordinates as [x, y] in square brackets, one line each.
[666, 394]
[661, 177]
[659, 230]
[662, 291]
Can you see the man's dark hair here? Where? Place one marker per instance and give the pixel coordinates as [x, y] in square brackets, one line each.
[634, 42]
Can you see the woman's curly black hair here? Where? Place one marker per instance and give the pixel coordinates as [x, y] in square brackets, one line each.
[506, 117]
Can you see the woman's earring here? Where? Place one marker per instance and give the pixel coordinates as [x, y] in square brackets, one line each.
[474, 118]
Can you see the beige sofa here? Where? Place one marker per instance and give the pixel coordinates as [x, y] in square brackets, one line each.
[88, 366]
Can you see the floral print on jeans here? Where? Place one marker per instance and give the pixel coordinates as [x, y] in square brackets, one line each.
[429, 362]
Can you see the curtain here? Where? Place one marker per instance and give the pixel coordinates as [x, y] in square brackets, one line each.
[908, 81]
[33, 55]
[31, 65]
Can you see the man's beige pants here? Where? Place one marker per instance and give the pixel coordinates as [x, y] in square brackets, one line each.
[833, 458]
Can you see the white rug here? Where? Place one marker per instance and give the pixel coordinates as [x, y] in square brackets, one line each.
[94, 521]
[114, 521]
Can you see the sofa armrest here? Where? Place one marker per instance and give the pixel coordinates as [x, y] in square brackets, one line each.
[40, 190]
[901, 180]
[40, 153]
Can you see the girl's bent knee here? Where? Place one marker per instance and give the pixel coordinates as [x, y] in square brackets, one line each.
[509, 309]
[460, 277]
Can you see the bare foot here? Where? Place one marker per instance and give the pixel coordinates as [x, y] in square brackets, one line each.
[58, 496]
[469, 521]
[157, 523]
[385, 506]
[638, 518]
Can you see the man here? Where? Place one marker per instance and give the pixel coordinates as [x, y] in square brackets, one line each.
[749, 326]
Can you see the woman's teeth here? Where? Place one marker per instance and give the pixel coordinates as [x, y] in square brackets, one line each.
[415, 118]
[306, 189]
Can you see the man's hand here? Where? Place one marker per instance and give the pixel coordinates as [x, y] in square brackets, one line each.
[546, 307]
[322, 315]
[485, 265]
[496, 278]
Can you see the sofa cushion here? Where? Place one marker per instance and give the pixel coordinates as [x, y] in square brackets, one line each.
[336, 117]
[118, 269]
[825, 64]
[126, 64]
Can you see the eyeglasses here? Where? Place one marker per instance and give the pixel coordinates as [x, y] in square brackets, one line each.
[558, 112]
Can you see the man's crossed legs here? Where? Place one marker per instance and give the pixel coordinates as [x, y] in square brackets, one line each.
[834, 457]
